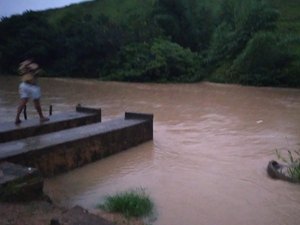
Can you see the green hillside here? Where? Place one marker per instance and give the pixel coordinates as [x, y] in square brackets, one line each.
[252, 42]
[117, 10]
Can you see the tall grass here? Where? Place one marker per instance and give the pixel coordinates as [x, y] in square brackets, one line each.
[134, 203]
[293, 161]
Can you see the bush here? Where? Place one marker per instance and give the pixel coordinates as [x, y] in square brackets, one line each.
[131, 204]
[160, 61]
[174, 63]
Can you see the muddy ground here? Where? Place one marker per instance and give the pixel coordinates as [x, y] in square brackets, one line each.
[41, 213]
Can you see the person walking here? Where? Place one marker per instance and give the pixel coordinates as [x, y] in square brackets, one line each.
[29, 89]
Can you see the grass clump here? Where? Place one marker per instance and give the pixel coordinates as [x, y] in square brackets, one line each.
[134, 203]
[293, 161]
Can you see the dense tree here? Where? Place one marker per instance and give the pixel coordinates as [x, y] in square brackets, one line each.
[24, 36]
[85, 44]
[159, 61]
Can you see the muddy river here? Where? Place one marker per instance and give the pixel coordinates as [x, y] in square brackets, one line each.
[207, 162]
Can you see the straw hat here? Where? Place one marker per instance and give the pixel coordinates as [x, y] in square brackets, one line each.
[27, 77]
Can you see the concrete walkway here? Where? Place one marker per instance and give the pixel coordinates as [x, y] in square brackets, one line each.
[63, 150]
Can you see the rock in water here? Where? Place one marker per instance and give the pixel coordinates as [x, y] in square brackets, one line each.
[19, 183]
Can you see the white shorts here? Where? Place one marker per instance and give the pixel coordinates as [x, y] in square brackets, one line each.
[29, 91]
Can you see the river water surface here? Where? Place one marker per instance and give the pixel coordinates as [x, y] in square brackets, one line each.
[207, 162]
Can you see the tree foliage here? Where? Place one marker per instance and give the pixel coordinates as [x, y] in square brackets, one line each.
[24, 36]
[262, 62]
[85, 44]
[187, 22]
[239, 21]
[170, 40]
[159, 61]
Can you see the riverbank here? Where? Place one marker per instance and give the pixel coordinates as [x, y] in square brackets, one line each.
[42, 212]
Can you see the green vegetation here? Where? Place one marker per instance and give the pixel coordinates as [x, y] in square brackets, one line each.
[131, 204]
[293, 161]
[251, 42]
[160, 60]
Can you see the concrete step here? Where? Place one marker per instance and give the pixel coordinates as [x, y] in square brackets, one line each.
[9, 131]
[63, 150]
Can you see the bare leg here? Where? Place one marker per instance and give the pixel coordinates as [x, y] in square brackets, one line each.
[38, 108]
[21, 106]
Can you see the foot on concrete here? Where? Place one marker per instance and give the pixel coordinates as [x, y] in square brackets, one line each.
[44, 119]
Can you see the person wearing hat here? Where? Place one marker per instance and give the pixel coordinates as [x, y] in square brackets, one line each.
[29, 89]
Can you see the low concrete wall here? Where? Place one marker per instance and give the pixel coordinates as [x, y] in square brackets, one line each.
[68, 149]
[83, 116]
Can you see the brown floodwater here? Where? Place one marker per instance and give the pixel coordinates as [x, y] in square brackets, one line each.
[207, 162]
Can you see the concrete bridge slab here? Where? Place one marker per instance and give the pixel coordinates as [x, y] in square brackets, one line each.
[63, 150]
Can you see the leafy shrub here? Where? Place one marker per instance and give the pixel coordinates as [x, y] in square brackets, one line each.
[160, 61]
[174, 63]
[129, 64]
